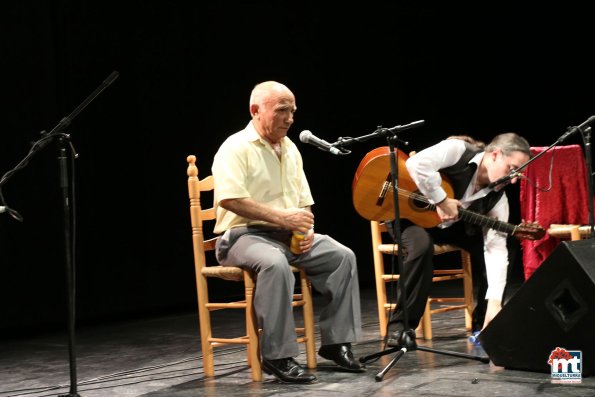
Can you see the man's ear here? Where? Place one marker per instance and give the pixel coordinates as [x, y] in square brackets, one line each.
[253, 109]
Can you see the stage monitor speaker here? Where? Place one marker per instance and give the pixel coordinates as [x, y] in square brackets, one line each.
[554, 308]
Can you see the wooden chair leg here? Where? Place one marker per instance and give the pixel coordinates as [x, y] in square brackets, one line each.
[427, 321]
[383, 311]
[204, 317]
[380, 283]
[252, 329]
[575, 233]
[308, 311]
[467, 289]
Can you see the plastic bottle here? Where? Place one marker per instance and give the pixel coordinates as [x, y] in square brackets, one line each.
[474, 338]
[295, 242]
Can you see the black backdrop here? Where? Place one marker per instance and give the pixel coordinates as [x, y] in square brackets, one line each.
[186, 70]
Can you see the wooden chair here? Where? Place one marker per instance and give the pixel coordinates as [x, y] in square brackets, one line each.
[204, 271]
[569, 232]
[461, 271]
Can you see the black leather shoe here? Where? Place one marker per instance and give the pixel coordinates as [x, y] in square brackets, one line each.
[287, 370]
[400, 339]
[394, 338]
[342, 355]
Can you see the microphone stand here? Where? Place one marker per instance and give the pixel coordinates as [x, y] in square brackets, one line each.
[407, 342]
[68, 224]
[380, 132]
[585, 131]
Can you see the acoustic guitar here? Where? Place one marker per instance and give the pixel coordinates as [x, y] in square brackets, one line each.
[373, 198]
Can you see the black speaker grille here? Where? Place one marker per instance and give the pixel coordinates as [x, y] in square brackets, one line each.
[566, 305]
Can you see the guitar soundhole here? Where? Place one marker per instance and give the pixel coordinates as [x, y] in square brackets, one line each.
[419, 202]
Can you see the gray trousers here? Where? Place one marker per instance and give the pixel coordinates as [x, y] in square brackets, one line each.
[331, 268]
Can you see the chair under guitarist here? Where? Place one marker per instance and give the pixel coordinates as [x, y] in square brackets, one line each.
[455, 270]
[204, 271]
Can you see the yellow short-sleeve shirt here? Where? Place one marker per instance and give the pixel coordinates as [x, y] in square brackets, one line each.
[246, 166]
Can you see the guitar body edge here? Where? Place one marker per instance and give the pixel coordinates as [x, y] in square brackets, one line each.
[373, 194]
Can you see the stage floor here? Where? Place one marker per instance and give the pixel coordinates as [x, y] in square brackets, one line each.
[160, 357]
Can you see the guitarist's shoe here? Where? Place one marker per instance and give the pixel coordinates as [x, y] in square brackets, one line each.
[394, 339]
[400, 338]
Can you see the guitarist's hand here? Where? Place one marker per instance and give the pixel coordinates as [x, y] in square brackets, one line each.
[448, 209]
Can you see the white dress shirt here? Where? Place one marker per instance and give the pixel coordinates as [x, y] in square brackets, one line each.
[424, 169]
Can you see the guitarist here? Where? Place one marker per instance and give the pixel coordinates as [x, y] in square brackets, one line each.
[470, 167]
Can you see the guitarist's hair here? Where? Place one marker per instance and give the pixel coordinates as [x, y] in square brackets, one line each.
[479, 144]
[509, 142]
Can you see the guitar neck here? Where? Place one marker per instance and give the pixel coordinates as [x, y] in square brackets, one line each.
[483, 220]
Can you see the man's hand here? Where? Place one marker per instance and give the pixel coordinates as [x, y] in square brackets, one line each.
[306, 242]
[448, 209]
[297, 219]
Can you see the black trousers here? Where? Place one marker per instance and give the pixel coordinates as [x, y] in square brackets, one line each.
[418, 244]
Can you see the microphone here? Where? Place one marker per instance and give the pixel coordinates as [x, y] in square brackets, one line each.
[307, 136]
[512, 175]
[400, 128]
[110, 79]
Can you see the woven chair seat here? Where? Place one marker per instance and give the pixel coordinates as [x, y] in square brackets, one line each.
[230, 273]
[438, 248]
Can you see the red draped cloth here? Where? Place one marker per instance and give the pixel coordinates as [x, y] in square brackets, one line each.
[565, 203]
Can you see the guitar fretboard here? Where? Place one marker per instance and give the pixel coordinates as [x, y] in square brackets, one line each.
[483, 220]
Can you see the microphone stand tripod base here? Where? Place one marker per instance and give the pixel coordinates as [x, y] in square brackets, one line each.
[406, 342]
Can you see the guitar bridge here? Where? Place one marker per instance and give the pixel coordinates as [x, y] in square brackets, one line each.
[385, 186]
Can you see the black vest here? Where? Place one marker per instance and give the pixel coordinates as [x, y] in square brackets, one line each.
[460, 175]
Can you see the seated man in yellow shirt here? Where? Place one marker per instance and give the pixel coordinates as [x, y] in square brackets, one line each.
[262, 197]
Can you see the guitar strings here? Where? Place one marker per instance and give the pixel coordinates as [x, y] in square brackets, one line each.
[495, 223]
[415, 196]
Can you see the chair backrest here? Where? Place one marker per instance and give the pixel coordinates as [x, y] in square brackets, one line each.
[198, 217]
